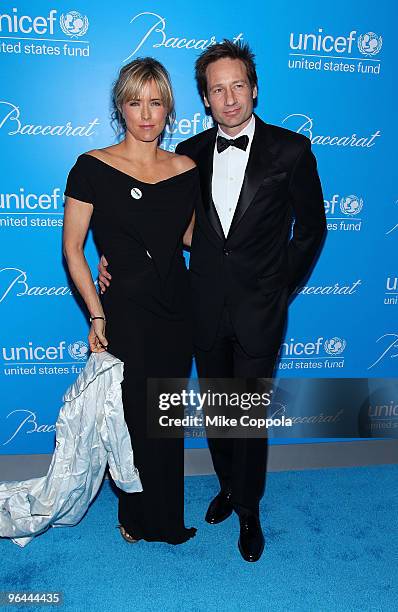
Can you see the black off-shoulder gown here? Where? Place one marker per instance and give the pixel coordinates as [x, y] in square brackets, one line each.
[148, 327]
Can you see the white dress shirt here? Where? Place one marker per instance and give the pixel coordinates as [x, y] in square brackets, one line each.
[228, 171]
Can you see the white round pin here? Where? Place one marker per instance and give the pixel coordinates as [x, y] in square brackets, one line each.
[136, 193]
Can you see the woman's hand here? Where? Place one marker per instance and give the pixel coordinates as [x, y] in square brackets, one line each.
[96, 337]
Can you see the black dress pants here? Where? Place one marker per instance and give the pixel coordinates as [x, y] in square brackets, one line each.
[239, 463]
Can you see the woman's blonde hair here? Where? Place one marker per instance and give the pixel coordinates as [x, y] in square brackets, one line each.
[131, 81]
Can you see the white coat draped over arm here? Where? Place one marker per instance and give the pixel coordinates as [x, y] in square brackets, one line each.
[90, 433]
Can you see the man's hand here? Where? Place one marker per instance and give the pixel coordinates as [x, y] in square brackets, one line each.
[187, 238]
[104, 277]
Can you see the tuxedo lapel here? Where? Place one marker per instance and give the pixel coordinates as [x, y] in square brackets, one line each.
[205, 163]
[258, 165]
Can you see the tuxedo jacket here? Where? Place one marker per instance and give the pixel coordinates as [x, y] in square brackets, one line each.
[254, 269]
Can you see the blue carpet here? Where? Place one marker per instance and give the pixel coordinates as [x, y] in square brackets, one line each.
[331, 545]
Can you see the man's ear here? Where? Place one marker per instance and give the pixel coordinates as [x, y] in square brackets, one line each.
[254, 92]
[205, 100]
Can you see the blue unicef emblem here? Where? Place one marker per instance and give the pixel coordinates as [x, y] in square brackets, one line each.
[369, 43]
[335, 346]
[78, 350]
[207, 122]
[351, 205]
[73, 24]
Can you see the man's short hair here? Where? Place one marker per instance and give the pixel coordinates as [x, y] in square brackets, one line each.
[226, 49]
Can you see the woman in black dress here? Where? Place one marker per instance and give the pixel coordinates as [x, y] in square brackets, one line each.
[139, 200]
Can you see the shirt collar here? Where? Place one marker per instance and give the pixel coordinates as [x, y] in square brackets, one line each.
[248, 130]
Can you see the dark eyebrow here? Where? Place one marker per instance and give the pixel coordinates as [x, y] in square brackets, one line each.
[233, 83]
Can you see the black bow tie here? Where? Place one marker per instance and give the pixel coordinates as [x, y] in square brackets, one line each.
[224, 143]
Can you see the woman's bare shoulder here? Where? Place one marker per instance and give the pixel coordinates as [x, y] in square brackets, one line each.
[182, 163]
[104, 153]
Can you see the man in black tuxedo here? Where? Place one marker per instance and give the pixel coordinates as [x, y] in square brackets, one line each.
[254, 178]
[244, 265]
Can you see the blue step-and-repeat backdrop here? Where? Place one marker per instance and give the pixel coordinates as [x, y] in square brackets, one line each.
[325, 71]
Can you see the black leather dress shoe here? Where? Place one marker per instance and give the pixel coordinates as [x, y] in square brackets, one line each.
[220, 508]
[251, 539]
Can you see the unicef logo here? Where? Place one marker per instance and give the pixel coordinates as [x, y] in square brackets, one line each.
[369, 43]
[207, 122]
[78, 350]
[335, 346]
[73, 24]
[351, 205]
